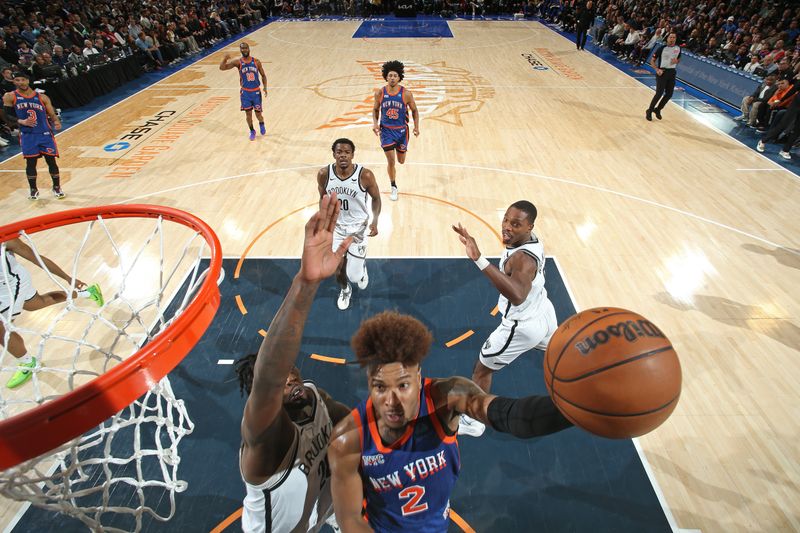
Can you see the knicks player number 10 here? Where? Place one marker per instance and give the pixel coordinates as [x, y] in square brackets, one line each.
[413, 505]
[343, 204]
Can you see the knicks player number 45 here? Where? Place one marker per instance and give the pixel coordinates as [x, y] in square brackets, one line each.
[414, 493]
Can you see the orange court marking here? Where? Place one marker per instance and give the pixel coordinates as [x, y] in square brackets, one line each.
[460, 338]
[228, 521]
[495, 311]
[325, 358]
[262, 333]
[460, 522]
[239, 302]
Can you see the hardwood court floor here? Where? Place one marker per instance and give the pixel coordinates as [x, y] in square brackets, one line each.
[671, 218]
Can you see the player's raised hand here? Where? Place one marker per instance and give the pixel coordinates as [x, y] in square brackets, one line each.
[468, 241]
[319, 260]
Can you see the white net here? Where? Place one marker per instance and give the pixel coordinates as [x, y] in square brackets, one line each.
[116, 475]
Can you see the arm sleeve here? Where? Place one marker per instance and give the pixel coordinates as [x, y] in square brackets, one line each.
[11, 115]
[528, 417]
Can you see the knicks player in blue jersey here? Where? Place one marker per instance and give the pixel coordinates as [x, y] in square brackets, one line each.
[35, 117]
[395, 459]
[390, 118]
[250, 93]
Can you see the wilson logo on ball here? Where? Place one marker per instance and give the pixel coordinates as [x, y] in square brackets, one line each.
[630, 330]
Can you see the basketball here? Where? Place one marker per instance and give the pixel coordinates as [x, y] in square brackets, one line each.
[612, 372]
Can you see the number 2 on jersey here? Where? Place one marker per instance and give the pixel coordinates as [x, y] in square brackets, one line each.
[413, 505]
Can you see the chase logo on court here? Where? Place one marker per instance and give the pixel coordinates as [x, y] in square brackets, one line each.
[442, 92]
[629, 330]
[542, 59]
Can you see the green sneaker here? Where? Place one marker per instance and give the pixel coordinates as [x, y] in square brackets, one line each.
[95, 294]
[21, 376]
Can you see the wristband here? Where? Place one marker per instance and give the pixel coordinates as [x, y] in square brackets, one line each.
[482, 263]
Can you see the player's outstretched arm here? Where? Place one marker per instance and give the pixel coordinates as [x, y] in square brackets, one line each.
[265, 422]
[344, 455]
[532, 416]
[523, 269]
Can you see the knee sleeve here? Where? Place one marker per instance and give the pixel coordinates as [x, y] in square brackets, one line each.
[30, 166]
[51, 164]
[355, 268]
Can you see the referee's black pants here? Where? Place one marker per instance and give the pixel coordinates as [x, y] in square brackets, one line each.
[665, 85]
[580, 38]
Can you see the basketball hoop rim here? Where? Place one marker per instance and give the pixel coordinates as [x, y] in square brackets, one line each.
[44, 428]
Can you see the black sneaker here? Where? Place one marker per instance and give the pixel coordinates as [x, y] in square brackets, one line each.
[648, 115]
[657, 113]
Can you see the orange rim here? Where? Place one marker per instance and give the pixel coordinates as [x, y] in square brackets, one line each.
[49, 425]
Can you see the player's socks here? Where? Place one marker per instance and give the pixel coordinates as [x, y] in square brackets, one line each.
[93, 293]
[470, 426]
[364, 281]
[343, 301]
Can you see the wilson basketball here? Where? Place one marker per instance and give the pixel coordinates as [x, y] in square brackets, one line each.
[612, 372]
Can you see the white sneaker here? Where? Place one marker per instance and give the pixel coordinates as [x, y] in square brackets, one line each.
[393, 196]
[364, 281]
[760, 146]
[343, 301]
[785, 155]
[470, 426]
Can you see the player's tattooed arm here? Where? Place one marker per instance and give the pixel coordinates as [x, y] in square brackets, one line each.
[461, 395]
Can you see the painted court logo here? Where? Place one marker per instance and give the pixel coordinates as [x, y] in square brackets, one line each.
[542, 59]
[442, 92]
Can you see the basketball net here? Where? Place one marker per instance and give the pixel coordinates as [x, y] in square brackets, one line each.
[117, 473]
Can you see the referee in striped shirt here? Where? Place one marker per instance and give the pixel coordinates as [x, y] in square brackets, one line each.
[664, 61]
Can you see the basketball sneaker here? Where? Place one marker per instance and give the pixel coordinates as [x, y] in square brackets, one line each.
[343, 301]
[657, 113]
[22, 375]
[393, 196]
[470, 426]
[364, 281]
[782, 153]
[262, 128]
[760, 146]
[33, 194]
[58, 193]
[95, 294]
[252, 135]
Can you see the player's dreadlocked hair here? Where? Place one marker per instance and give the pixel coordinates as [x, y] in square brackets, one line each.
[393, 66]
[244, 371]
[391, 337]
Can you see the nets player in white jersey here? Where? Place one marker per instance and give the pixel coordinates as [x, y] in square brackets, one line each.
[356, 190]
[528, 317]
[17, 293]
[287, 422]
